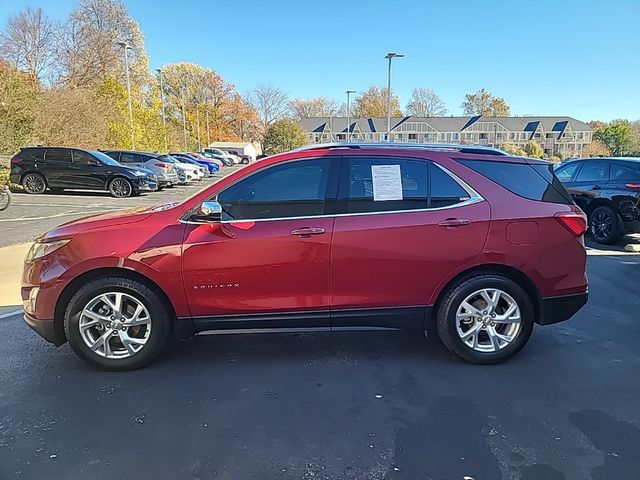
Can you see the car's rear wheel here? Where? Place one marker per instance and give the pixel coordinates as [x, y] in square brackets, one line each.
[34, 183]
[485, 319]
[120, 188]
[604, 225]
[117, 323]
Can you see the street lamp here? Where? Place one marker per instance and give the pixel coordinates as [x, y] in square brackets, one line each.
[348, 92]
[126, 47]
[164, 118]
[390, 56]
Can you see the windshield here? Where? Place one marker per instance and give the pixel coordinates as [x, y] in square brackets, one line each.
[104, 158]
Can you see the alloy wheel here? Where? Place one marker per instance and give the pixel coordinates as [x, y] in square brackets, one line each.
[34, 183]
[488, 320]
[115, 325]
[601, 225]
[120, 188]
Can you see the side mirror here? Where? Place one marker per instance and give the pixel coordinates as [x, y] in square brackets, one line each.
[210, 211]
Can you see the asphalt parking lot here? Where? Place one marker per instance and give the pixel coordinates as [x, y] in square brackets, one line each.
[361, 405]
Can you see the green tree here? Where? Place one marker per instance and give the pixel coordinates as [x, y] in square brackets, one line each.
[533, 149]
[19, 100]
[373, 103]
[484, 103]
[283, 135]
[616, 136]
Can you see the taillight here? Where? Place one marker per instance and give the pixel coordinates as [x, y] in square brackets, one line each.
[161, 165]
[575, 222]
[15, 161]
[633, 186]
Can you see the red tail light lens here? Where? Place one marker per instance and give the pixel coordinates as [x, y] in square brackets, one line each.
[161, 165]
[633, 186]
[15, 160]
[575, 222]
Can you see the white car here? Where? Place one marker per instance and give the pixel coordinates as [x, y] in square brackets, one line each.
[216, 151]
[192, 172]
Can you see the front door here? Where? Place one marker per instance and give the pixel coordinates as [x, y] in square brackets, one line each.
[267, 263]
[407, 224]
[87, 171]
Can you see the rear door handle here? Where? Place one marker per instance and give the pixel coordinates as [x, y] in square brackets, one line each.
[307, 231]
[454, 222]
[597, 187]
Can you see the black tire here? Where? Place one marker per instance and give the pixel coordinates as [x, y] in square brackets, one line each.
[605, 225]
[453, 298]
[244, 161]
[120, 187]
[34, 183]
[160, 314]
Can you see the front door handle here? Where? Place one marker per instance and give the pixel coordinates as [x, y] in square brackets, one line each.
[454, 222]
[597, 187]
[307, 231]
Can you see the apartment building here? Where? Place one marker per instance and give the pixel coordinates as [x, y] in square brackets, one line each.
[556, 135]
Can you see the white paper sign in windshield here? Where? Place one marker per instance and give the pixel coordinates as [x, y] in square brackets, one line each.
[387, 182]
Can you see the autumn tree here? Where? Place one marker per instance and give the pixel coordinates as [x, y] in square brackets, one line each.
[512, 149]
[616, 136]
[597, 148]
[484, 103]
[533, 149]
[424, 102]
[373, 103]
[29, 42]
[19, 101]
[313, 107]
[283, 135]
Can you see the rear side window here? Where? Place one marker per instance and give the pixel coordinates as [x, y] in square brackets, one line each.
[593, 171]
[31, 154]
[622, 173]
[58, 155]
[445, 191]
[535, 182]
[129, 158]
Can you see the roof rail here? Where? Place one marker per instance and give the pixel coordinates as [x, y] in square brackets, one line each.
[451, 147]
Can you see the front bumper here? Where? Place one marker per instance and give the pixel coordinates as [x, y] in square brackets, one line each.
[559, 309]
[147, 185]
[46, 329]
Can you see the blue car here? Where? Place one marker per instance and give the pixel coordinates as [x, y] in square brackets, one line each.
[211, 166]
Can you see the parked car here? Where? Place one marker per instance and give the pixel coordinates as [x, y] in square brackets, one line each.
[226, 161]
[608, 191]
[464, 241]
[164, 170]
[190, 172]
[244, 159]
[221, 153]
[211, 166]
[60, 168]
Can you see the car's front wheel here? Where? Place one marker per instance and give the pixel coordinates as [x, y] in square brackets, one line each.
[604, 225]
[117, 323]
[120, 188]
[485, 319]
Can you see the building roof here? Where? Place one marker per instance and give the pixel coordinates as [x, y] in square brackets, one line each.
[442, 124]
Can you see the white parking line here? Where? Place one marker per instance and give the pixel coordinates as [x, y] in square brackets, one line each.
[10, 314]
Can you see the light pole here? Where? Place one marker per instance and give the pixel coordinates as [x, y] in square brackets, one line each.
[390, 56]
[126, 47]
[348, 92]
[184, 119]
[164, 118]
[198, 120]
[206, 113]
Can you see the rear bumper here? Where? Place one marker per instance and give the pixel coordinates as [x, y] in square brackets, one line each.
[632, 226]
[559, 309]
[46, 329]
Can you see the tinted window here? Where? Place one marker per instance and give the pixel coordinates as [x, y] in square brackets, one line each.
[107, 159]
[31, 154]
[593, 171]
[129, 158]
[523, 179]
[58, 154]
[83, 158]
[621, 172]
[288, 190]
[445, 191]
[360, 189]
[565, 172]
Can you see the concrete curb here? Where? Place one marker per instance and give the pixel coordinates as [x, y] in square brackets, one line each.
[632, 247]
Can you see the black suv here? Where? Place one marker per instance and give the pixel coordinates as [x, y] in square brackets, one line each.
[58, 168]
[608, 190]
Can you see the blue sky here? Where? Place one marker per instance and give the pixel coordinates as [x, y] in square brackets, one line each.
[545, 57]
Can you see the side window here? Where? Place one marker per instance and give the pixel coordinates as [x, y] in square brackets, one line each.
[83, 158]
[565, 172]
[293, 189]
[31, 154]
[386, 184]
[445, 191]
[621, 173]
[58, 155]
[128, 158]
[594, 171]
[114, 155]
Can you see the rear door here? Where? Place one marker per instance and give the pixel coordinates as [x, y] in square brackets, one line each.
[56, 167]
[404, 224]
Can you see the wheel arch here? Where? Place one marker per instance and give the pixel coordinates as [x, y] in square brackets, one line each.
[600, 202]
[33, 170]
[74, 285]
[512, 273]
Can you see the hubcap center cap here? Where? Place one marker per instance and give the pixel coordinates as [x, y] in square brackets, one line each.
[486, 320]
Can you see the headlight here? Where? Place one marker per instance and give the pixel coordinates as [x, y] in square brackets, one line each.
[39, 250]
[139, 174]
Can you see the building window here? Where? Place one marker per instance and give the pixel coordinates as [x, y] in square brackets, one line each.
[455, 136]
[523, 136]
[580, 135]
[413, 137]
[512, 136]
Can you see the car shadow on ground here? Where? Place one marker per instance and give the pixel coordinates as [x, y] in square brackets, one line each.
[619, 247]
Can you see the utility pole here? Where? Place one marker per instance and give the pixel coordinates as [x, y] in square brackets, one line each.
[348, 92]
[198, 121]
[164, 117]
[184, 118]
[390, 56]
[126, 48]
[207, 117]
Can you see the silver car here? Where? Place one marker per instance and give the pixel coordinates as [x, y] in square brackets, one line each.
[164, 169]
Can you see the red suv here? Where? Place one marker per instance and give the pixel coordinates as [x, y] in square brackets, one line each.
[469, 242]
